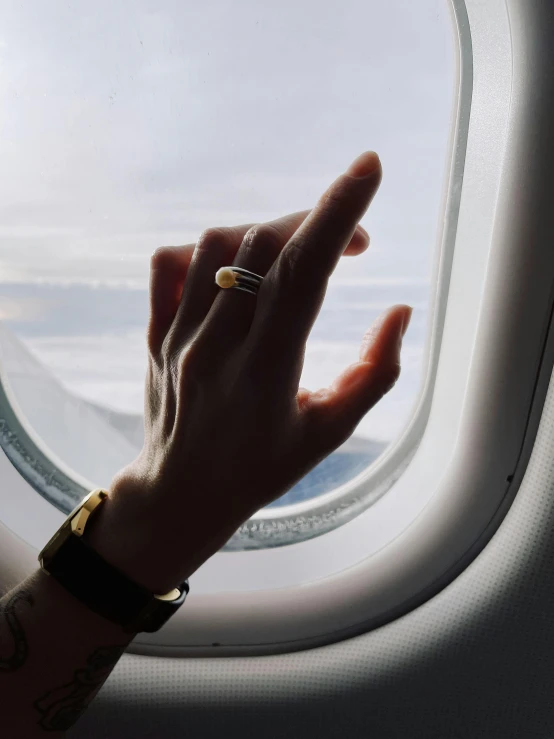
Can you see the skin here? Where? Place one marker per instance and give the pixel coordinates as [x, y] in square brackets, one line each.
[223, 411]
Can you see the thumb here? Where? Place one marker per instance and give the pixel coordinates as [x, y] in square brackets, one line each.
[334, 412]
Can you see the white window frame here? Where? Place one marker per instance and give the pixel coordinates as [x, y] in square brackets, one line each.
[468, 442]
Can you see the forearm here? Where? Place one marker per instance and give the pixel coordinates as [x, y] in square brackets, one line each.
[55, 654]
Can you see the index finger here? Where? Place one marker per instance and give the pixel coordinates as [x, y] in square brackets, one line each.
[290, 296]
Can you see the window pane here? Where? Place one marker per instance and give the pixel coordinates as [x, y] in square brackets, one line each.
[126, 125]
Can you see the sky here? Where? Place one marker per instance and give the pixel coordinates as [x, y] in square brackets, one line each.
[128, 124]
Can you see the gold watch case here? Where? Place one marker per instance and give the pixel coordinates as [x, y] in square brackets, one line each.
[74, 524]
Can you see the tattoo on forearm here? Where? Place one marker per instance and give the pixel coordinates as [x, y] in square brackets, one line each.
[21, 649]
[60, 708]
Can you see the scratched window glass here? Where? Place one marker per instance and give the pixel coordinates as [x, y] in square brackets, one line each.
[128, 125]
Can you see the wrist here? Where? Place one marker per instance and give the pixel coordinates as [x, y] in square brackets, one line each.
[128, 534]
[150, 535]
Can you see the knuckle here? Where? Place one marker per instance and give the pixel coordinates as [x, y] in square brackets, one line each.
[263, 233]
[391, 376]
[295, 256]
[298, 264]
[338, 193]
[262, 236]
[249, 241]
[211, 238]
[293, 267]
[162, 258]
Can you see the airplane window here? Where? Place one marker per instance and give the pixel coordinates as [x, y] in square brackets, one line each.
[128, 125]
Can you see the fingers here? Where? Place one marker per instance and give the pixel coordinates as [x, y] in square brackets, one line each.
[331, 415]
[291, 295]
[232, 311]
[254, 244]
[168, 270]
[215, 248]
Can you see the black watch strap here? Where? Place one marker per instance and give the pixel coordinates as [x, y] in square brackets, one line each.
[108, 592]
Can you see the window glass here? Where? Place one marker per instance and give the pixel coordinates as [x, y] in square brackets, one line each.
[127, 125]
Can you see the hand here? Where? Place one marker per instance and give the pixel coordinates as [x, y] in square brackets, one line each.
[227, 429]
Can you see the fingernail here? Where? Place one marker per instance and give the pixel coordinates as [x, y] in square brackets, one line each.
[364, 165]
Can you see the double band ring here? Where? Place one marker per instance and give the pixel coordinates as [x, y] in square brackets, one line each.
[240, 279]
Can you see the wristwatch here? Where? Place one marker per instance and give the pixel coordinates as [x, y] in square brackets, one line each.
[99, 585]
